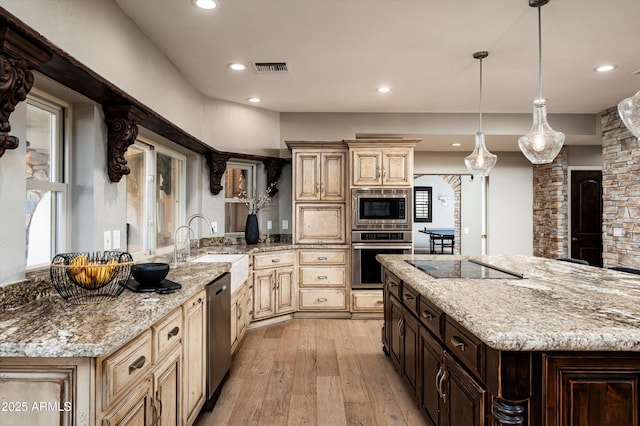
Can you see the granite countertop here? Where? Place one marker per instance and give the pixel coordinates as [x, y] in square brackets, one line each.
[560, 307]
[36, 322]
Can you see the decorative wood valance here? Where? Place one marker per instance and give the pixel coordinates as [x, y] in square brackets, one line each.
[122, 131]
[18, 56]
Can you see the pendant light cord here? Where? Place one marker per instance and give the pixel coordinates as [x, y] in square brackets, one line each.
[480, 102]
[539, 54]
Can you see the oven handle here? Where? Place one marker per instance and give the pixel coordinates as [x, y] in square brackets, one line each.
[369, 246]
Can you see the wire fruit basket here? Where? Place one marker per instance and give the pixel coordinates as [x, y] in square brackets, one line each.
[84, 278]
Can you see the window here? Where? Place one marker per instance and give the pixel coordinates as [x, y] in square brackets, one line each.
[422, 203]
[46, 188]
[155, 197]
[239, 180]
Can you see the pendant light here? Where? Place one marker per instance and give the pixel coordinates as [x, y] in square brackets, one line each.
[480, 162]
[542, 143]
[629, 110]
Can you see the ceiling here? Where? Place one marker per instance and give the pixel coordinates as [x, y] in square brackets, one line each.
[339, 51]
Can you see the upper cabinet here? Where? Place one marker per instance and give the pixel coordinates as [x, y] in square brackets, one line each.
[381, 162]
[320, 175]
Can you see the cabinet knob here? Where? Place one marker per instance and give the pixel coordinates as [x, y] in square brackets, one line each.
[197, 302]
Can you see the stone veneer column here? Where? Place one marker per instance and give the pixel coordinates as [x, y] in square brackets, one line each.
[620, 192]
[456, 184]
[550, 208]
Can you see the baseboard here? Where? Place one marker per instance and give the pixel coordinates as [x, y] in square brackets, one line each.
[316, 314]
[367, 315]
[269, 321]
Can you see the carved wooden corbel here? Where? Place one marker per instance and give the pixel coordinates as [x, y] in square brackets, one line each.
[122, 131]
[18, 56]
[217, 163]
[273, 168]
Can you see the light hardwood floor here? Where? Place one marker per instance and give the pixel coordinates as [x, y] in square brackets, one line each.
[313, 372]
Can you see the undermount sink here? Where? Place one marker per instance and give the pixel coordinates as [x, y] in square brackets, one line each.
[239, 266]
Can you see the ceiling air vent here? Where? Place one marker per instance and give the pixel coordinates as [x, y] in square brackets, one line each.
[270, 67]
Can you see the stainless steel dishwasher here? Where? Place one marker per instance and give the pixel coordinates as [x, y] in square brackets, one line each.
[218, 336]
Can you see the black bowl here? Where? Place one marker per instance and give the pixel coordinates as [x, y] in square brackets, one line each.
[149, 273]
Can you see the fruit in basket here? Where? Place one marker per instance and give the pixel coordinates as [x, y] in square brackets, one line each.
[78, 262]
[91, 274]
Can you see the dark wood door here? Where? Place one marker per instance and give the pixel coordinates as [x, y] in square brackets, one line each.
[410, 332]
[395, 339]
[430, 369]
[586, 216]
[465, 401]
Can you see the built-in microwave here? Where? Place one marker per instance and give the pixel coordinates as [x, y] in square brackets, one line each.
[381, 208]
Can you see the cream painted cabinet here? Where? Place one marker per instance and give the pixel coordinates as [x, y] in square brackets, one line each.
[389, 167]
[273, 284]
[238, 316]
[381, 162]
[194, 352]
[367, 301]
[166, 404]
[320, 223]
[323, 280]
[319, 175]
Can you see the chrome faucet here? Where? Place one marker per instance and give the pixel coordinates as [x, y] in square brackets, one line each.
[187, 248]
[203, 217]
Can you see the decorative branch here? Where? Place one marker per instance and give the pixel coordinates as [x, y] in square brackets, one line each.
[122, 131]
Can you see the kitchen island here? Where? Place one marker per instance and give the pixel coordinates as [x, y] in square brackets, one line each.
[559, 347]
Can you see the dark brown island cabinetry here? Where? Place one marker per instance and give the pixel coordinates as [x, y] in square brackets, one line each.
[458, 380]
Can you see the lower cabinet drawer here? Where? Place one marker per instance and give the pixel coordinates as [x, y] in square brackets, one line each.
[124, 367]
[325, 277]
[315, 300]
[167, 333]
[465, 346]
[273, 259]
[367, 301]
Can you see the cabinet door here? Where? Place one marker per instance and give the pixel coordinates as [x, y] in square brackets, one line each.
[320, 223]
[134, 409]
[332, 183]
[241, 323]
[366, 167]
[397, 167]
[602, 389]
[307, 176]
[167, 385]
[395, 339]
[284, 290]
[464, 403]
[430, 367]
[409, 349]
[195, 356]
[264, 284]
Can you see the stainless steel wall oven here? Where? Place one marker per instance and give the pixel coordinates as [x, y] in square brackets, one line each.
[365, 245]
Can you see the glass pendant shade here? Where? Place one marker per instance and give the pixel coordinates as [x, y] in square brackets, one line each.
[480, 162]
[542, 143]
[629, 110]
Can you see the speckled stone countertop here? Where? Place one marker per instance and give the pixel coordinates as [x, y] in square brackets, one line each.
[560, 307]
[36, 322]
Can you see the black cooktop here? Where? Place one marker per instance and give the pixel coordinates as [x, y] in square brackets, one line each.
[163, 287]
[466, 268]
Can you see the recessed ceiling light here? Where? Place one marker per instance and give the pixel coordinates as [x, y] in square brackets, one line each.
[384, 89]
[456, 144]
[605, 68]
[254, 100]
[237, 67]
[205, 4]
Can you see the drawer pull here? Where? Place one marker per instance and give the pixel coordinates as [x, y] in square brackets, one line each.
[409, 297]
[322, 299]
[427, 315]
[322, 277]
[392, 284]
[322, 257]
[174, 332]
[275, 260]
[458, 343]
[197, 302]
[137, 364]
[379, 302]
